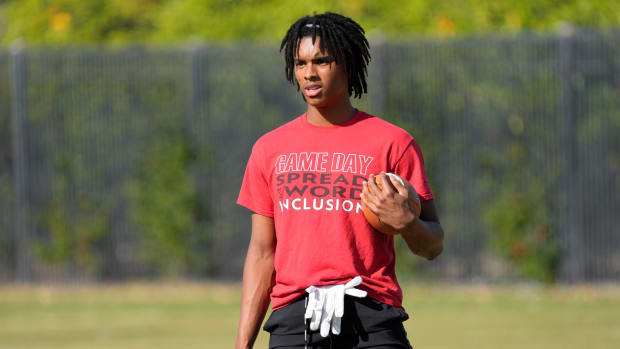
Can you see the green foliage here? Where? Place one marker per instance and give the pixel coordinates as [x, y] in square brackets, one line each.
[93, 21]
[164, 199]
[77, 21]
[77, 224]
[483, 120]
[521, 233]
[88, 201]
[482, 117]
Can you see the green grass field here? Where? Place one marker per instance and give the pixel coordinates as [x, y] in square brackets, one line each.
[136, 316]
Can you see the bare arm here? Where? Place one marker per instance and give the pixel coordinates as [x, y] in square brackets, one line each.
[258, 279]
[424, 234]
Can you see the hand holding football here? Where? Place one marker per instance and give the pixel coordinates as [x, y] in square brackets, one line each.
[413, 201]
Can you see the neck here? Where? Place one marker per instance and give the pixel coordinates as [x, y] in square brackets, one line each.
[331, 115]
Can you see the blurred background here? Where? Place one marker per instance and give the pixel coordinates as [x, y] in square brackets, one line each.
[125, 127]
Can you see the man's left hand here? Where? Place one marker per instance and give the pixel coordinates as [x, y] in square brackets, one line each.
[390, 203]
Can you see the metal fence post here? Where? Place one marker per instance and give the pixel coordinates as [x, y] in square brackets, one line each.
[199, 135]
[21, 225]
[195, 82]
[378, 78]
[572, 268]
[195, 101]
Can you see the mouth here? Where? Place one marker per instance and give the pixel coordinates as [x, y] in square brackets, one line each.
[312, 90]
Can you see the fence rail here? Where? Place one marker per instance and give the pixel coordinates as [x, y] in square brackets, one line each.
[125, 163]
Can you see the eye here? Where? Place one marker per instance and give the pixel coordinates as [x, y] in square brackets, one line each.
[299, 63]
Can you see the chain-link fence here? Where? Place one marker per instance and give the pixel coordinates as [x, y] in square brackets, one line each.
[122, 163]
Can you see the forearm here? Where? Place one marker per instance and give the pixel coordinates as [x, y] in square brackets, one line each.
[424, 238]
[258, 274]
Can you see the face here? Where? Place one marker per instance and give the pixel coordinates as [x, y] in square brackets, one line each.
[321, 80]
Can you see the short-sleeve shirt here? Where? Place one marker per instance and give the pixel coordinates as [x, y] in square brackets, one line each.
[309, 178]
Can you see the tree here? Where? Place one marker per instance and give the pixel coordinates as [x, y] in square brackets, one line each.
[164, 21]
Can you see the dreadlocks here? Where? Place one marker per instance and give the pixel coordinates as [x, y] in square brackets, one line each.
[341, 38]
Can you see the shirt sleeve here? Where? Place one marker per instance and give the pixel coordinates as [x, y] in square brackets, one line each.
[255, 190]
[411, 167]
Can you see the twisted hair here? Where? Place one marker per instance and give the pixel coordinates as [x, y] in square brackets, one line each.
[343, 40]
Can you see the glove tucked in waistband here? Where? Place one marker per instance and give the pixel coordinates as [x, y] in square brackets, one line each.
[325, 306]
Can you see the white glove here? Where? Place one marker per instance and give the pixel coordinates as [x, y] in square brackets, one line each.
[326, 305]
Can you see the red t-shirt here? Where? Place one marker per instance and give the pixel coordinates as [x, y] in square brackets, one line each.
[309, 179]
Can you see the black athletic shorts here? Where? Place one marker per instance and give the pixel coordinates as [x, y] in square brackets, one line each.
[366, 323]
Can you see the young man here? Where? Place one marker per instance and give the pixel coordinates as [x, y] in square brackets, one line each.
[305, 182]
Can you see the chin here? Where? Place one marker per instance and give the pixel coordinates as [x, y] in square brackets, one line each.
[317, 103]
[320, 102]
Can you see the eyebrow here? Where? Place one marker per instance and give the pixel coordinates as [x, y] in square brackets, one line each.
[326, 57]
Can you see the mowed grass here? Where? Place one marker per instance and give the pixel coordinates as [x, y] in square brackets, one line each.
[204, 315]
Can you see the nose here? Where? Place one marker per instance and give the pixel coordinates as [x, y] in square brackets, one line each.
[310, 72]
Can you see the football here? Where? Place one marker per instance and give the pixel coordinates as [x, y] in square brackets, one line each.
[414, 202]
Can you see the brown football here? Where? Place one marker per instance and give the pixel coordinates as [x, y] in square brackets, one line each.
[414, 202]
